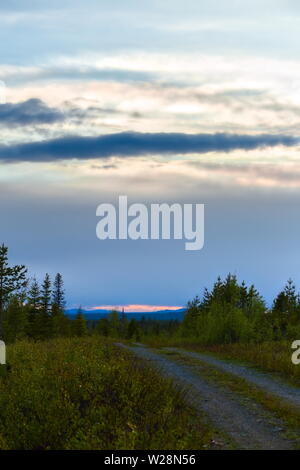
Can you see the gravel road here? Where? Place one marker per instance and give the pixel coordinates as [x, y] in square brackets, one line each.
[263, 380]
[248, 425]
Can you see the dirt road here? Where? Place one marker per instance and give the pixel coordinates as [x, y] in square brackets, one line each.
[247, 424]
[263, 380]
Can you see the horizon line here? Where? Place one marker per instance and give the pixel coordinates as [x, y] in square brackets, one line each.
[134, 308]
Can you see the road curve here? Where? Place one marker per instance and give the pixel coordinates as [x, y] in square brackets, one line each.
[249, 427]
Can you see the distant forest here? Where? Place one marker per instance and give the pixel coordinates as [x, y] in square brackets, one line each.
[230, 312]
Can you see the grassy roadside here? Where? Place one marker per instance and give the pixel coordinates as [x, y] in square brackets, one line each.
[272, 356]
[85, 393]
[288, 414]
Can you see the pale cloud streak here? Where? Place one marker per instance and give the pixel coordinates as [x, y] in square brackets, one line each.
[175, 92]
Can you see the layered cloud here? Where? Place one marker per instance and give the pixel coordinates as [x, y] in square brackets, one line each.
[160, 101]
[147, 92]
[30, 112]
[135, 144]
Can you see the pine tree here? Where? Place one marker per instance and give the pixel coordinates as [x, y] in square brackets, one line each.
[123, 324]
[206, 301]
[34, 309]
[243, 297]
[60, 323]
[45, 326]
[114, 323]
[46, 294]
[58, 294]
[284, 309]
[15, 322]
[133, 330]
[192, 315]
[79, 324]
[291, 296]
[34, 296]
[12, 280]
[217, 290]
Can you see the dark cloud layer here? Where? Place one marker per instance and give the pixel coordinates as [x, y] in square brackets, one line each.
[29, 112]
[135, 144]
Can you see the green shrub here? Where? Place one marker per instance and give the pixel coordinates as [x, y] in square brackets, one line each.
[82, 393]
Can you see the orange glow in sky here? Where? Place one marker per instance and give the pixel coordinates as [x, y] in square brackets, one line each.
[135, 308]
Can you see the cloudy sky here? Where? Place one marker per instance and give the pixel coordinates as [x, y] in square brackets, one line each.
[162, 101]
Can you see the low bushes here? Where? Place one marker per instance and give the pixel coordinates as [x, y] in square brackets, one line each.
[83, 393]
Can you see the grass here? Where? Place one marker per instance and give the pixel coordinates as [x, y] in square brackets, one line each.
[272, 356]
[84, 393]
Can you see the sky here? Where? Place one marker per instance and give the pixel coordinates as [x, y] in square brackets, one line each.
[176, 102]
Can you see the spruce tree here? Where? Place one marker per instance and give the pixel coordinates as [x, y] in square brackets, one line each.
[45, 327]
[15, 323]
[12, 280]
[133, 330]
[34, 296]
[79, 324]
[58, 294]
[34, 309]
[114, 323]
[60, 323]
[46, 294]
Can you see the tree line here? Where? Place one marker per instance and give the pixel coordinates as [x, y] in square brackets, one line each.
[228, 313]
[28, 309]
[233, 312]
[36, 311]
[117, 325]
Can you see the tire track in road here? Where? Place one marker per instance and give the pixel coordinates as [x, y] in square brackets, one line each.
[253, 428]
[264, 380]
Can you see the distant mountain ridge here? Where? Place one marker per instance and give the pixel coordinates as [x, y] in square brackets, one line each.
[161, 315]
